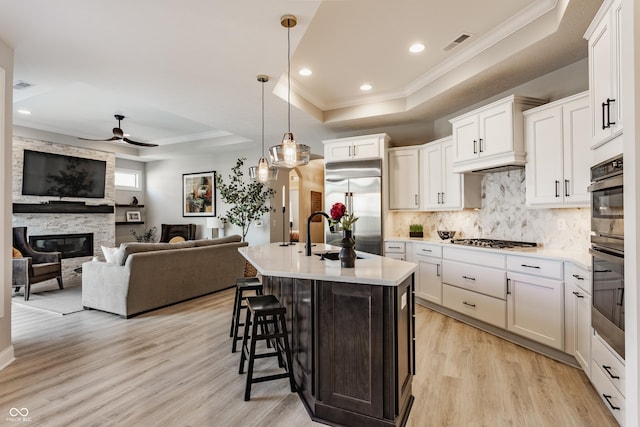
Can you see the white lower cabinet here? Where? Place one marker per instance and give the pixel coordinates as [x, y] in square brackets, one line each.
[608, 377]
[474, 283]
[429, 280]
[482, 307]
[535, 301]
[395, 249]
[577, 315]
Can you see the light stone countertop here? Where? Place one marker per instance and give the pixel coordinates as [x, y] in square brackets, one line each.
[291, 261]
[580, 258]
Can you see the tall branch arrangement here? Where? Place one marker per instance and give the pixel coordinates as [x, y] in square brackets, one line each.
[248, 200]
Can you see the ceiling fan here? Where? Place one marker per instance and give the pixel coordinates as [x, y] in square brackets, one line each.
[119, 134]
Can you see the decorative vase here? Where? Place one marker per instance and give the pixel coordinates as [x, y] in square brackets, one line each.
[347, 253]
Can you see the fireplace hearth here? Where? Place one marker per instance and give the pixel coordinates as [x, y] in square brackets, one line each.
[71, 245]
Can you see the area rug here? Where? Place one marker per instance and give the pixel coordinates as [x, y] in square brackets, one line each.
[58, 301]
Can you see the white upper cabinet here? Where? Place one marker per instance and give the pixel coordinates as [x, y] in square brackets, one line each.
[355, 148]
[492, 136]
[604, 36]
[558, 154]
[404, 178]
[444, 189]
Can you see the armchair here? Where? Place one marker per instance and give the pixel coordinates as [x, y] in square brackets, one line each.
[35, 266]
[169, 231]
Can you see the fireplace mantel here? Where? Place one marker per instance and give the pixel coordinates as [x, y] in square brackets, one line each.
[61, 208]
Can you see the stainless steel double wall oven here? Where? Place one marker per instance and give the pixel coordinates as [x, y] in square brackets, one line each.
[607, 250]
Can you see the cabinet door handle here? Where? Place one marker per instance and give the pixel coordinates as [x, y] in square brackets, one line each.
[469, 304]
[481, 150]
[578, 276]
[469, 278]
[349, 151]
[443, 198]
[609, 122]
[530, 266]
[608, 369]
[355, 153]
[557, 188]
[475, 145]
[415, 199]
[437, 270]
[566, 188]
[508, 286]
[578, 294]
[604, 105]
[608, 399]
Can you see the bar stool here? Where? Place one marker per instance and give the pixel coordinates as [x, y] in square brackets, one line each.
[267, 312]
[244, 284]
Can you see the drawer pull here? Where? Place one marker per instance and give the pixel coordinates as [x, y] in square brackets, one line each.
[578, 294]
[468, 278]
[394, 247]
[426, 250]
[578, 277]
[469, 304]
[530, 266]
[608, 399]
[608, 369]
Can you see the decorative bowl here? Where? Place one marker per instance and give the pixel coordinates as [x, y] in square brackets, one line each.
[444, 235]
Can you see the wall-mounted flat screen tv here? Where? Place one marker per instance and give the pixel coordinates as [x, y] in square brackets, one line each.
[48, 174]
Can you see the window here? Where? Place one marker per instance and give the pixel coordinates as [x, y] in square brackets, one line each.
[127, 179]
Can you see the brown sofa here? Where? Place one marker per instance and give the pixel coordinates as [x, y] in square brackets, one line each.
[147, 276]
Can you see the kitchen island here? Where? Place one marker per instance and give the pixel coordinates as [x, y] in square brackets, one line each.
[351, 331]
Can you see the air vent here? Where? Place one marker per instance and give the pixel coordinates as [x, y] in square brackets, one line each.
[462, 37]
[21, 84]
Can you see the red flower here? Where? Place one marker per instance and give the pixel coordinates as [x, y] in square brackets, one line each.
[337, 211]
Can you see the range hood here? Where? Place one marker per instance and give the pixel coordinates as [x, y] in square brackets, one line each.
[503, 168]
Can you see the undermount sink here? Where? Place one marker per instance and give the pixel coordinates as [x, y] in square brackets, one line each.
[333, 256]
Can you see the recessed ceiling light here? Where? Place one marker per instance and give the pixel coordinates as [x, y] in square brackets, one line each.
[416, 48]
[25, 112]
[305, 72]
[366, 87]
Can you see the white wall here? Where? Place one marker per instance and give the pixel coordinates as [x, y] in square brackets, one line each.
[164, 192]
[6, 108]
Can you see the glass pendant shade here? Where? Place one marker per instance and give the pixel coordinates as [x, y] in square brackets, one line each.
[263, 170]
[289, 154]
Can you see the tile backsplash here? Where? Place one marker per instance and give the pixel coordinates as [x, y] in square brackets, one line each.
[504, 216]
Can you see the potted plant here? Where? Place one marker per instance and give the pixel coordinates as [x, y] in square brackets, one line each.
[248, 200]
[415, 230]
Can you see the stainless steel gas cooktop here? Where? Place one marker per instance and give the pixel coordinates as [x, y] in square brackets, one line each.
[494, 243]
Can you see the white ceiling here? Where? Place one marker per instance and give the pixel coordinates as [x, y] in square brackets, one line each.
[184, 73]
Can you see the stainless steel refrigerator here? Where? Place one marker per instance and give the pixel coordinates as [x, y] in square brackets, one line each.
[357, 184]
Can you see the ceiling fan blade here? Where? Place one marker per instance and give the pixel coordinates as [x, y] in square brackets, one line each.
[141, 144]
[113, 138]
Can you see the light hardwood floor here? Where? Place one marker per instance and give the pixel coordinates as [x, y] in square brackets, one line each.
[174, 367]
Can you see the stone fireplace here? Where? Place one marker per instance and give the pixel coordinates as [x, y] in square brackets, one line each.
[93, 217]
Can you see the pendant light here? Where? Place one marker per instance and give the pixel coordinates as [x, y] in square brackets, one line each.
[263, 172]
[289, 153]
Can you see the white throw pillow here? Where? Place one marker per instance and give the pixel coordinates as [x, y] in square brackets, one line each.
[110, 254]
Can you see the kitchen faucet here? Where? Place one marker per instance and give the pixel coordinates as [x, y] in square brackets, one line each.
[308, 242]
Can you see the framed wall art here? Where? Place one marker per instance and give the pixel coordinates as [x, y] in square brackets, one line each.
[199, 194]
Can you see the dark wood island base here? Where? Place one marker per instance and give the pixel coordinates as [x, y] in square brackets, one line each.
[353, 348]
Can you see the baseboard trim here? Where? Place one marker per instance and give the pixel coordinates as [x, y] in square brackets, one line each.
[6, 357]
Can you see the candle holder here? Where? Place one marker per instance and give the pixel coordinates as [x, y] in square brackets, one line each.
[284, 229]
